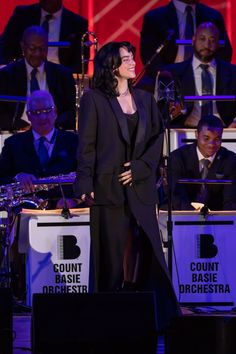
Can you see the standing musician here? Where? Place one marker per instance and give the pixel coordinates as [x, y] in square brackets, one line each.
[119, 149]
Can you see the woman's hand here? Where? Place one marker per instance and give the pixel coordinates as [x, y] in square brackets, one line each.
[126, 177]
[88, 198]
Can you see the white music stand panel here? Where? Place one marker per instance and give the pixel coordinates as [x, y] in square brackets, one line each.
[58, 255]
[203, 256]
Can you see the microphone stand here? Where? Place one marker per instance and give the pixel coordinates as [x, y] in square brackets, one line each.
[166, 122]
[65, 212]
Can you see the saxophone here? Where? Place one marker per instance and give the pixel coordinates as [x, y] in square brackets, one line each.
[13, 195]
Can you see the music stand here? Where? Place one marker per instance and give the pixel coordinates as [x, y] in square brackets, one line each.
[204, 210]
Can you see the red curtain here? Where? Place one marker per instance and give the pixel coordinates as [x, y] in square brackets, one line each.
[121, 19]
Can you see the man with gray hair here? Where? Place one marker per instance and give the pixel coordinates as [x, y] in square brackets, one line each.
[41, 151]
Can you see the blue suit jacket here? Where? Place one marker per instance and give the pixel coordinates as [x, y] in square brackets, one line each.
[72, 28]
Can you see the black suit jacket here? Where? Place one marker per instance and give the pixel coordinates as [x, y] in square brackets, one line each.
[105, 147]
[225, 85]
[72, 28]
[184, 164]
[156, 24]
[13, 81]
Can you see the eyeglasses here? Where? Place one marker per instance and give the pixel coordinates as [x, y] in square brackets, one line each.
[38, 112]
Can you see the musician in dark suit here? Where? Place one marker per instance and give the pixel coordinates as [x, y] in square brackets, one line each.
[16, 80]
[172, 17]
[187, 163]
[64, 25]
[189, 79]
[119, 149]
[23, 161]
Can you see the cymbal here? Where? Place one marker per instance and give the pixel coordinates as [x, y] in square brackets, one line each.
[204, 181]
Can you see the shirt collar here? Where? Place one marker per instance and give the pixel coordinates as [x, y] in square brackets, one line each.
[196, 62]
[180, 6]
[201, 157]
[48, 136]
[55, 15]
[29, 68]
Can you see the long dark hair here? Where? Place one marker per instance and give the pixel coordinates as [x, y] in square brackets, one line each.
[106, 62]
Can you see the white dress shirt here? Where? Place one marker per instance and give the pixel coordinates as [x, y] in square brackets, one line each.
[195, 115]
[201, 157]
[41, 77]
[48, 143]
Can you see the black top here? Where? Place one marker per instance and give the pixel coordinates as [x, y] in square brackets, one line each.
[132, 121]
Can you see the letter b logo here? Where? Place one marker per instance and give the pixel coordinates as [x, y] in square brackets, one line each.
[67, 246]
[206, 246]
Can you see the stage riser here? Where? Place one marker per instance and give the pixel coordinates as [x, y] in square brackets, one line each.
[6, 329]
[108, 323]
[202, 335]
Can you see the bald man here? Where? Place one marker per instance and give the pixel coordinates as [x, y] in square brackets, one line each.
[17, 79]
[201, 70]
[63, 25]
[173, 17]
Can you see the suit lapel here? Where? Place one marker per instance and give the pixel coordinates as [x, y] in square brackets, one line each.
[223, 78]
[120, 118]
[36, 14]
[28, 146]
[58, 146]
[215, 167]
[193, 162]
[172, 19]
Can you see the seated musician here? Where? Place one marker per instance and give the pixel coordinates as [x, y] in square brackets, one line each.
[41, 151]
[34, 72]
[205, 159]
[203, 74]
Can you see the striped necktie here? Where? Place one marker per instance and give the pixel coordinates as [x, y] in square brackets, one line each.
[207, 89]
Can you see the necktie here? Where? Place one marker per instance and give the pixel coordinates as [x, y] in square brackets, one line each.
[207, 89]
[45, 23]
[34, 85]
[189, 31]
[43, 152]
[204, 172]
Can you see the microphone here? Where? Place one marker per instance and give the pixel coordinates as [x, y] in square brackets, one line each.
[168, 90]
[165, 86]
[169, 37]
